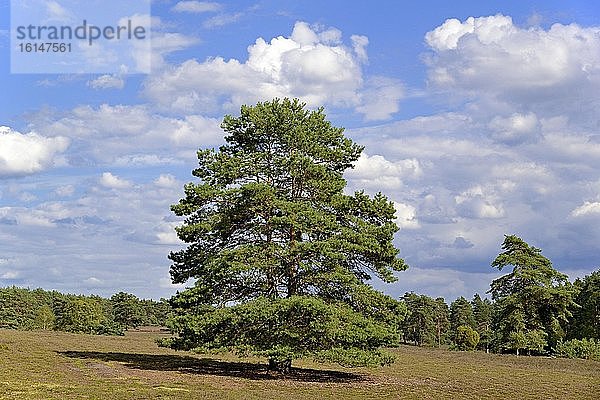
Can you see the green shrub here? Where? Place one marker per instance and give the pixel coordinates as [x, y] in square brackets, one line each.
[466, 338]
[81, 315]
[588, 349]
[111, 328]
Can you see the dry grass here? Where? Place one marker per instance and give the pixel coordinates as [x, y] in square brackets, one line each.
[55, 365]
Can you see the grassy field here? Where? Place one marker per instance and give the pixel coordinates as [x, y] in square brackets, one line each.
[55, 365]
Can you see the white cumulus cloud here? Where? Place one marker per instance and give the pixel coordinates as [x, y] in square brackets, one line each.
[478, 202]
[24, 154]
[166, 181]
[114, 182]
[406, 216]
[377, 172]
[552, 70]
[516, 128]
[312, 64]
[131, 135]
[587, 208]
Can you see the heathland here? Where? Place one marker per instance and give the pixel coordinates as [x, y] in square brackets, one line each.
[59, 365]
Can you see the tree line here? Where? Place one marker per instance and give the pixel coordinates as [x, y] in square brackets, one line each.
[28, 309]
[534, 310]
[482, 324]
[476, 324]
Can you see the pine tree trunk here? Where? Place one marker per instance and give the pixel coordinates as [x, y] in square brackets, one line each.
[281, 366]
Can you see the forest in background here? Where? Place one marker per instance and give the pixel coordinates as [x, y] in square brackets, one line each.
[27, 309]
[461, 325]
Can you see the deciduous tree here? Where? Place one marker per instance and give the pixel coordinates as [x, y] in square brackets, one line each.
[81, 315]
[466, 338]
[44, 318]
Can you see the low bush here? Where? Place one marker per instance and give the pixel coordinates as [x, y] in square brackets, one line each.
[588, 349]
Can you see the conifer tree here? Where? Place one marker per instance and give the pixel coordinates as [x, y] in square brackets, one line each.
[532, 301]
[279, 254]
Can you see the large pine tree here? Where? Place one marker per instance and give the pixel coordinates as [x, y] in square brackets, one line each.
[278, 253]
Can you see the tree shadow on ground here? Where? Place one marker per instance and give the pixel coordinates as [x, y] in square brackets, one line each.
[207, 366]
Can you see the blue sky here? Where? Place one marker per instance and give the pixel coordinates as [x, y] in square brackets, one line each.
[479, 119]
